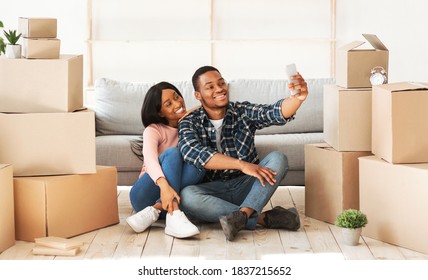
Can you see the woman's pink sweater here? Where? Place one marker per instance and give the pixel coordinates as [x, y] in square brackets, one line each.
[156, 139]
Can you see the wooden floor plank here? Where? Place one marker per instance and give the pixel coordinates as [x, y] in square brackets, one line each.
[267, 243]
[321, 238]
[212, 242]
[105, 242]
[158, 244]
[242, 247]
[382, 250]
[186, 248]
[131, 244]
[20, 251]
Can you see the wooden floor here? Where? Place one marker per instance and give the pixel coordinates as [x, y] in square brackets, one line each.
[314, 239]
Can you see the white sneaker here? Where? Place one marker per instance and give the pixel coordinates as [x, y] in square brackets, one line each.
[179, 226]
[140, 221]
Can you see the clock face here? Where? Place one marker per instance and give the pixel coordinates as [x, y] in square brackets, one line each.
[377, 79]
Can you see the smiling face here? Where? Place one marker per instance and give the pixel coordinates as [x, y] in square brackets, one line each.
[213, 94]
[173, 107]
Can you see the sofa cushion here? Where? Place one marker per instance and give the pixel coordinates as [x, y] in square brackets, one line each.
[118, 105]
[309, 117]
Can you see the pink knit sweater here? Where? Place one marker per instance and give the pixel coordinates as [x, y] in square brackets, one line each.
[156, 139]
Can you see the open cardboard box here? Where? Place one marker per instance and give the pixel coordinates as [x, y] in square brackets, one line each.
[353, 65]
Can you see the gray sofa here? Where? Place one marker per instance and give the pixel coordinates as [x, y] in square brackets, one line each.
[117, 107]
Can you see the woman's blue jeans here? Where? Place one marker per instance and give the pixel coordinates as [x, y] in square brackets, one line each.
[208, 201]
[178, 174]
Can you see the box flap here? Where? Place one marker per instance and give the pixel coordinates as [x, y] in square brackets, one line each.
[375, 42]
[3, 165]
[404, 86]
[351, 46]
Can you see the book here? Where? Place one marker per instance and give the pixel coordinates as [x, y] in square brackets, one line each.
[42, 250]
[58, 242]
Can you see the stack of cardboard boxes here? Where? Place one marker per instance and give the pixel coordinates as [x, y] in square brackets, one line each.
[48, 139]
[39, 37]
[394, 181]
[331, 168]
[376, 153]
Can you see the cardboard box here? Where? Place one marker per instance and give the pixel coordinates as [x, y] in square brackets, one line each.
[353, 66]
[7, 216]
[393, 196]
[348, 118]
[331, 181]
[65, 206]
[37, 27]
[41, 85]
[48, 143]
[41, 48]
[400, 122]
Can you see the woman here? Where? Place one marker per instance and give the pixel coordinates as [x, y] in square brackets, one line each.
[164, 172]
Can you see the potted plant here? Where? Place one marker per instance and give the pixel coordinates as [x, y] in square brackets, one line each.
[351, 221]
[13, 49]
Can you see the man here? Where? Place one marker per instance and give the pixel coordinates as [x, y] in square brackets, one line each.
[219, 137]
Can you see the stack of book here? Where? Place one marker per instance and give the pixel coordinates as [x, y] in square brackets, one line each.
[56, 246]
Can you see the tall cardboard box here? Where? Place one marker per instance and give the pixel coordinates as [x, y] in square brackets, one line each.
[65, 206]
[7, 216]
[331, 181]
[41, 48]
[400, 122]
[41, 85]
[353, 65]
[37, 27]
[348, 118]
[48, 143]
[394, 198]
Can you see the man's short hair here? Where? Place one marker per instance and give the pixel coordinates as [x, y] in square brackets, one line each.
[202, 70]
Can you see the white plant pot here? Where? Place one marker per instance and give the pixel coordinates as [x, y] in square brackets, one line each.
[13, 51]
[351, 236]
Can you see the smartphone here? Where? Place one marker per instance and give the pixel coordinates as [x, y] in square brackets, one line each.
[291, 71]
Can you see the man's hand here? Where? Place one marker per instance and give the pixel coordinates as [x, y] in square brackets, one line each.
[300, 84]
[260, 172]
[291, 104]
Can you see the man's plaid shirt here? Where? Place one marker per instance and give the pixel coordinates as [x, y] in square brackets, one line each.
[197, 138]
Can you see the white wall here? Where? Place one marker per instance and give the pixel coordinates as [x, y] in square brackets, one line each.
[401, 25]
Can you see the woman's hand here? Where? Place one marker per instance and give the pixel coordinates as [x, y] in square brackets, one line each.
[168, 195]
[189, 111]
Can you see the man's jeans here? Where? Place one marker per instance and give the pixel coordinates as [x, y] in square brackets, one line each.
[208, 201]
[177, 172]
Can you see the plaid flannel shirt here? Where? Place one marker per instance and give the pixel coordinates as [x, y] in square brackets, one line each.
[197, 138]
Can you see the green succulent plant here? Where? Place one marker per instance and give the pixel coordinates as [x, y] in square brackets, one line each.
[351, 218]
[11, 36]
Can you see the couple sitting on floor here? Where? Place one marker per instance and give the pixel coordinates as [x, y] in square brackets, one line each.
[205, 163]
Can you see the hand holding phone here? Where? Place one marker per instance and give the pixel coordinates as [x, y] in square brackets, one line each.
[291, 71]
